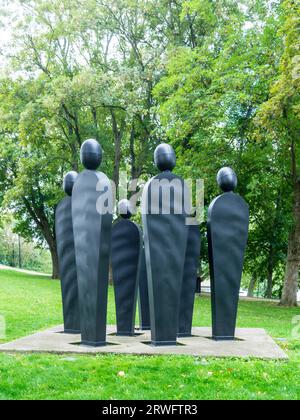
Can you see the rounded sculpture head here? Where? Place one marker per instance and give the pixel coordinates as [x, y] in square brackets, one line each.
[69, 181]
[164, 157]
[124, 209]
[227, 179]
[91, 154]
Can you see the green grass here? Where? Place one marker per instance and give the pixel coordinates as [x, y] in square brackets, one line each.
[33, 303]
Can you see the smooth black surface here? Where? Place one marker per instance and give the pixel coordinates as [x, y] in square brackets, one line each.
[227, 179]
[69, 181]
[228, 220]
[164, 157]
[67, 265]
[144, 310]
[165, 238]
[124, 209]
[92, 234]
[189, 282]
[125, 258]
[91, 154]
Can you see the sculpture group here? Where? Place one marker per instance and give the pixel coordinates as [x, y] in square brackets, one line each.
[154, 265]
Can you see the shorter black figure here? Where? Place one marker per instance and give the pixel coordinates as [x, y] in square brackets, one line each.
[125, 257]
[66, 257]
[144, 309]
[228, 221]
[189, 283]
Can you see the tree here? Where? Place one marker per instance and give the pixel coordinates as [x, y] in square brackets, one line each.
[209, 99]
[280, 117]
[31, 177]
[71, 88]
[216, 79]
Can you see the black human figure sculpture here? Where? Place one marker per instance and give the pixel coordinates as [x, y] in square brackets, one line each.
[144, 310]
[228, 221]
[125, 258]
[165, 237]
[189, 282]
[92, 223]
[66, 257]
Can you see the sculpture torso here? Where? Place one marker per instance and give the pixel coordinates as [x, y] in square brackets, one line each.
[125, 257]
[228, 220]
[165, 246]
[92, 233]
[67, 265]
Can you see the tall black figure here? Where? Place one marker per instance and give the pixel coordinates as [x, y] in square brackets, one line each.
[92, 223]
[189, 282]
[165, 237]
[228, 221]
[144, 310]
[125, 258]
[66, 258]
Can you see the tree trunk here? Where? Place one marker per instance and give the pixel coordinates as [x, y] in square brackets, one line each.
[118, 134]
[116, 174]
[55, 266]
[290, 288]
[251, 286]
[40, 218]
[51, 241]
[132, 152]
[269, 290]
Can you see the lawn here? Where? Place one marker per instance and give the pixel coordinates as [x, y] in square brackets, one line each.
[33, 303]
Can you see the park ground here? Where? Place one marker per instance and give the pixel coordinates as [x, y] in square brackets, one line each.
[31, 303]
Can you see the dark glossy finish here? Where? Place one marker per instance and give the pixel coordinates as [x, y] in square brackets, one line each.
[227, 179]
[124, 209]
[228, 221]
[92, 234]
[67, 266]
[91, 154]
[165, 237]
[125, 258]
[164, 157]
[69, 181]
[189, 282]
[144, 310]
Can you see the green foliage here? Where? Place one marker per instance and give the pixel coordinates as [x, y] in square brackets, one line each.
[16, 252]
[209, 102]
[217, 79]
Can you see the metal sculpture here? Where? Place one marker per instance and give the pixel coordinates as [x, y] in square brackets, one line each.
[125, 258]
[144, 310]
[165, 237]
[228, 221]
[66, 258]
[189, 282]
[92, 203]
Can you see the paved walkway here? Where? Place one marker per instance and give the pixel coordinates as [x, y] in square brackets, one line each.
[250, 299]
[20, 270]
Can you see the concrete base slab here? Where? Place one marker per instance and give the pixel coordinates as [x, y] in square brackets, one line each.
[250, 342]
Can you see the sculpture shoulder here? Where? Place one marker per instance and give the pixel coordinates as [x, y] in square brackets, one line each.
[102, 177]
[88, 178]
[65, 202]
[84, 176]
[146, 187]
[230, 199]
[128, 228]
[170, 176]
[126, 223]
